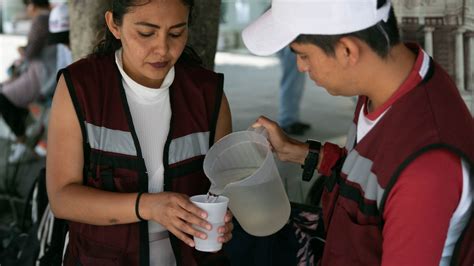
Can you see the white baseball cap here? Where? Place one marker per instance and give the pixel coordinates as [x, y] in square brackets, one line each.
[286, 19]
[59, 19]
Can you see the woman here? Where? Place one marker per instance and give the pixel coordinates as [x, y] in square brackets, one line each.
[139, 96]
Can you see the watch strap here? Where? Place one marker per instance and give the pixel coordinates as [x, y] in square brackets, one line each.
[311, 160]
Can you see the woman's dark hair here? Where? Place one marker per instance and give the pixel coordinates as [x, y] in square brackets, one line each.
[380, 37]
[38, 3]
[109, 44]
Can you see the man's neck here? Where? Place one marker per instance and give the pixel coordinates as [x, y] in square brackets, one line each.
[388, 74]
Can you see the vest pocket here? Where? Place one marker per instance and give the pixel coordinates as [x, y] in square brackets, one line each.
[125, 180]
[351, 243]
[101, 177]
[112, 179]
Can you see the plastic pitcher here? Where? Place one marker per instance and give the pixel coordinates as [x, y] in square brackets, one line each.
[241, 166]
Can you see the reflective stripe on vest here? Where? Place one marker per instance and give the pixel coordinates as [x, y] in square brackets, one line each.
[110, 140]
[358, 170]
[121, 142]
[188, 146]
[351, 137]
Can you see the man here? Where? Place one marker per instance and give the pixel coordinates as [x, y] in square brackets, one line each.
[400, 192]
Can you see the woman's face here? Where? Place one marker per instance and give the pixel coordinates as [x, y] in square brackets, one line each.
[153, 37]
[30, 10]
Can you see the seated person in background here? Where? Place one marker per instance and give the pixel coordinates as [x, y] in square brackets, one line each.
[40, 63]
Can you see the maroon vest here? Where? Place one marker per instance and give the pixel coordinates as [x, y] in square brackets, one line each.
[431, 116]
[113, 159]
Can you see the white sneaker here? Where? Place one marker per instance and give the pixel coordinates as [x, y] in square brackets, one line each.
[18, 150]
[40, 149]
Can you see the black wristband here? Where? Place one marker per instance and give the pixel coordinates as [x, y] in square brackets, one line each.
[137, 203]
[311, 160]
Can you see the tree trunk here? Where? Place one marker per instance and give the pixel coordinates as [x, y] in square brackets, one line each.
[87, 25]
[204, 30]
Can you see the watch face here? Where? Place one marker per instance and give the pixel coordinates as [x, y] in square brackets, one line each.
[314, 146]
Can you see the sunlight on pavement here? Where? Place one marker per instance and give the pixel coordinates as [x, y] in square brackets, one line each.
[225, 58]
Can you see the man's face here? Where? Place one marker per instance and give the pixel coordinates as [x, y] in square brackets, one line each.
[325, 70]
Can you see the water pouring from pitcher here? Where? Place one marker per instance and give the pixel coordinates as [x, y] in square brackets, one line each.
[241, 166]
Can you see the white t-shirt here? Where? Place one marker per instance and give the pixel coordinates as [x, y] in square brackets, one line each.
[151, 114]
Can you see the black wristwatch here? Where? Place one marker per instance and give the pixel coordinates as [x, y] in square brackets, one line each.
[311, 160]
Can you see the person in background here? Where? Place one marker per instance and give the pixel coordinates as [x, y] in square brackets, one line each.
[58, 36]
[130, 125]
[401, 191]
[37, 65]
[37, 11]
[291, 91]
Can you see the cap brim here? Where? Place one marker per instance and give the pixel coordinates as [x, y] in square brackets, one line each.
[266, 36]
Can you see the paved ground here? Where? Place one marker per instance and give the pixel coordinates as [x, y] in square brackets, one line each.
[251, 85]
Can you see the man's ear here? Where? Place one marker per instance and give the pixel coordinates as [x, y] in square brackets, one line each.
[113, 28]
[348, 51]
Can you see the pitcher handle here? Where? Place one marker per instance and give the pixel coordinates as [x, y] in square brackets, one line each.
[260, 130]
